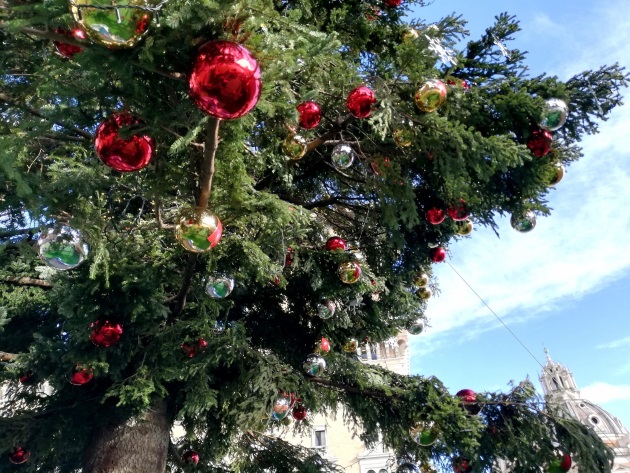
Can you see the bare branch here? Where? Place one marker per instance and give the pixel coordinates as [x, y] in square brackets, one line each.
[207, 165]
[4, 356]
[18, 231]
[25, 281]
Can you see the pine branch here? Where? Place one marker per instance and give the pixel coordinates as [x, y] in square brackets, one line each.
[351, 389]
[25, 281]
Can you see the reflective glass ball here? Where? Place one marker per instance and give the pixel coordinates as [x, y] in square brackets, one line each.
[424, 433]
[294, 146]
[431, 95]
[309, 114]
[336, 243]
[554, 115]
[81, 376]
[122, 154]
[461, 465]
[326, 309]
[198, 232]
[464, 227]
[559, 174]
[190, 457]
[420, 280]
[65, 49]
[351, 346]
[523, 222]
[437, 254]
[424, 293]
[403, 137]
[342, 156]
[105, 333]
[19, 455]
[103, 25]
[314, 365]
[225, 80]
[281, 408]
[416, 328]
[350, 272]
[360, 101]
[435, 216]
[300, 412]
[219, 288]
[459, 211]
[62, 248]
[539, 143]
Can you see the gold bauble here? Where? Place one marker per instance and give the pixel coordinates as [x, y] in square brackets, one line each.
[294, 147]
[420, 280]
[464, 227]
[403, 137]
[431, 95]
[424, 293]
[410, 35]
[198, 232]
[351, 346]
[113, 27]
[424, 433]
[559, 168]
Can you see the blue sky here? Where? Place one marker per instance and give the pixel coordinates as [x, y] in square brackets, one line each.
[566, 284]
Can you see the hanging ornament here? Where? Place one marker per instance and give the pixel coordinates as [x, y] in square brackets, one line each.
[431, 95]
[410, 35]
[559, 174]
[19, 455]
[459, 211]
[281, 408]
[424, 433]
[122, 154]
[461, 465]
[309, 114]
[416, 328]
[360, 101]
[407, 467]
[225, 80]
[554, 115]
[464, 227]
[314, 365]
[435, 216]
[540, 143]
[456, 82]
[198, 232]
[294, 147]
[105, 333]
[299, 411]
[424, 293]
[62, 248]
[393, 3]
[403, 137]
[342, 156]
[336, 243]
[112, 27]
[27, 378]
[191, 350]
[289, 257]
[560, 465]
[437, 254]
[65, 49]
[446, 55]
[524, 222]
[190, 457]
[81, 376]
[220, 287]
[351, 346]
[468, 398]
[350, 272]
[420, 280]
[322, 347]
[326, 309]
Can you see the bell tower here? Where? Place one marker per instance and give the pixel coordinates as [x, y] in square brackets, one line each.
[557, 381]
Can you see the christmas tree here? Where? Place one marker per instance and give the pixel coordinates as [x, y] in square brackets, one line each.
[204, 205]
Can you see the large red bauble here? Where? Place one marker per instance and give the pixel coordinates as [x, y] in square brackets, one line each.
[120, 154]
[105, 333]
[469, 398]
[19, 455]
[336, 243]
[299, 412]
[65, 49]
[435, 216]
[458, 212]
[191, 350]
[309, 114]
[360, 101]
[437, 254]
[81, 376]
[190, 457]
[225, 80]
[393, 3]
[540, 143]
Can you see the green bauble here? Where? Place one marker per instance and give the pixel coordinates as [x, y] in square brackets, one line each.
[424, 433]
[109, 28]
[62, 248]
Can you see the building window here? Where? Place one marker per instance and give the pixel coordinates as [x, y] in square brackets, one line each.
[594, 420]
[382, 470]
[371, 471]
[319, 438]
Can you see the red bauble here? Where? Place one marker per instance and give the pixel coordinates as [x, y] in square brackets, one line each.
[288, 259]
[105, 333]
[299, 412]
[310, 114]
[65, 49]
[458, 212]
[540, 143]
[190, 457]
[81, 376]
[191, 350]
[566, 462]
[438, 254]
[336, 243]
[469, 398]
[26, 378]
[393, 3]
[324, 345]
[225, 80]
[461, 465]
[19, 455]
[435, 216]
[360, 102]
[120, 154]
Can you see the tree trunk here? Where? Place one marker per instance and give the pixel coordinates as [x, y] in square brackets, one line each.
[138, 446]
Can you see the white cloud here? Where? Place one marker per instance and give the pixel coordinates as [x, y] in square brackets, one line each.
[620, 343]
[600, 393]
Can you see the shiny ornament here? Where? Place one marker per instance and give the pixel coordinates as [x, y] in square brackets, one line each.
[65, 49]
[539, 143]
[62, 248]
[350, 272]
[435, 216]
[191, 350]
[424, 433]
[424, 293]
[523, 222]
[225, 80]
[281, 408]
[469, 401]
[323, 346]
[336, 243]
[81, 376]
[314, 365]
[407, 467]
[309, 114]
[559, 168]
[554, 115]
[19, 455]
[299, 412]
[431, 95]
[403, 137]
[289, 257]
[464, 227]
[410, 35]
[27, 378]
[122, 154]
[459, 211]
[351, 346]
[112, 27]
[393, 3]
[219, 288]
[190, 457]
[294, 147]
[416, 328]
[560, 465]
[198, 232]
[326, 309]
[420, 280]
[342, 156]
[458, 83]
[360, 101]
[461, 465]
[437, 254]
[105, 333]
